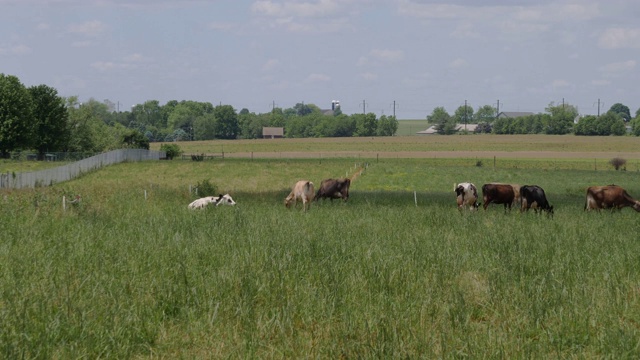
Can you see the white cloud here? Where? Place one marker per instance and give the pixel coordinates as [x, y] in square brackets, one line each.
[89, 28]
[318, 78]
[285, 9]
[601, 82]
[458, 63]
[618, 67]
[271, 64]
[369, 76]
[387, 55]
[617, 38]
[560, 83]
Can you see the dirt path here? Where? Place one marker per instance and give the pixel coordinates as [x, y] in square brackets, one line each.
[438, 154]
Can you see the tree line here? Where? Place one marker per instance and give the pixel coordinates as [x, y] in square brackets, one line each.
[558, 119]
[37, 118]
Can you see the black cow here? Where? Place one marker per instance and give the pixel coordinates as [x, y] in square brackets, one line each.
[534, 195]
[334, 189]
[497, 194]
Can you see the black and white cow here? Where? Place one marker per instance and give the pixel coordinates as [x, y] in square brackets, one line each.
[217, 200]
[534, 196]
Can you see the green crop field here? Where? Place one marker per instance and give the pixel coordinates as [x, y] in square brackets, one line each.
[396, 272]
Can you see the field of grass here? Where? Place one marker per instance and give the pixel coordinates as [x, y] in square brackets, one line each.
[411, 127]
[395, 272]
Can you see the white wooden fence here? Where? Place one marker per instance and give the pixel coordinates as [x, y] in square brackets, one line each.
[70, 171]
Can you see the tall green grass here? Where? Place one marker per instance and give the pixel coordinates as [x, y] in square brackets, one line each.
[118, 276]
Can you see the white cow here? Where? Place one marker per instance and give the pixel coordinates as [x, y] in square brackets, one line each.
[304, 191]
[467, 195]
[220, 199]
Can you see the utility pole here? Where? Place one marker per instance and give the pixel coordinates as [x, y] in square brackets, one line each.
[364, 106]
[598, 107]
[394, 108]
[498, 108]
[465, 115]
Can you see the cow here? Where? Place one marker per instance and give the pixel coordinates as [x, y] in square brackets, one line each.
[334, 189]
[609, 197]
[304, 191]
[218, 200]
[498, 194]
[534, 195]
[466, 195]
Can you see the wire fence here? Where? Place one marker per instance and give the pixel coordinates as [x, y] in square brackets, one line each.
[67, 172]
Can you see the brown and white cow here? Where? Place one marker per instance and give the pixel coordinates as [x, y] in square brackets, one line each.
[609, 197]
[334, 189]
[534, 196]
[498, 194]
[303, 190]
[466, 195]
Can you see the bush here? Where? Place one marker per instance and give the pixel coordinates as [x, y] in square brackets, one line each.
[205, 188]
[172, 150]
[617, 163]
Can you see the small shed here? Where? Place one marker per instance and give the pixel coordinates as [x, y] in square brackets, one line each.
[272, 132]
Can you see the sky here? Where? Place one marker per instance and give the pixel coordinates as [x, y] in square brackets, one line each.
[402, 57]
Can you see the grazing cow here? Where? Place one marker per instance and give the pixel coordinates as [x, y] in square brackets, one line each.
[466, 195]
[534, 195]
[609, 197]
[497, 194]
[334, 189]
[218, 200]
[303, 190]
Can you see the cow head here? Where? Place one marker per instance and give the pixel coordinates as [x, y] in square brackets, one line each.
[225, 200]
[636, 206]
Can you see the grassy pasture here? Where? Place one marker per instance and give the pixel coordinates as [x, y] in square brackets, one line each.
[118, 276]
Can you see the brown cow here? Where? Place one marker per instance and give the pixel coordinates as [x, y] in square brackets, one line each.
[302, 190]
[609, 197]
[334, 189]
[497, 194]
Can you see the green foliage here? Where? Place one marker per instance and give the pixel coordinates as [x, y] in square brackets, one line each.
[387, 126]
[606, 124]
[485, 114]
[172, 150]
[135, 140]
[444, 123]
[50, 127]
[366, 124]
[621, 110]
[206, 188]
[463, 115]
[226, 124]
[16, 115]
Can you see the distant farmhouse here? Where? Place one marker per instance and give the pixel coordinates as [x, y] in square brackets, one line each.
[513, 114]
[460, 127]
[272, 132]
[335, 105]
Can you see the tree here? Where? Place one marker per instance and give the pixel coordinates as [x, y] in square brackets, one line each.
[366, 124]
[135, 140]
[621, 110]
[50, 127]
[485, 114]
[444, 123]
[88, 131]
[16, 115]
[463, 114]
[226, 122]
[387, 125]
[561, 121]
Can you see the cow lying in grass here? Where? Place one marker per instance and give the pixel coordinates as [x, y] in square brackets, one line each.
[217, 200]
[303, 191]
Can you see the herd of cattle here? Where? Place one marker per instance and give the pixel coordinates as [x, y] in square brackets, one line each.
[526, 197]
[533, 196]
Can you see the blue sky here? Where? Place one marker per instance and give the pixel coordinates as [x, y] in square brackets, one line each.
[368, 54]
